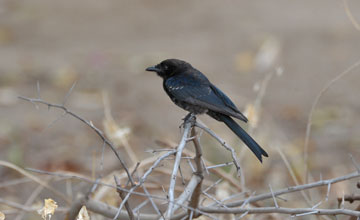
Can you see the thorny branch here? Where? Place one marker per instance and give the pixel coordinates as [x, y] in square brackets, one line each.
[195, 197]
[122, 195]
[192, 191]
[187, 127]
[223, 143]
[109, 211]
[88, 123]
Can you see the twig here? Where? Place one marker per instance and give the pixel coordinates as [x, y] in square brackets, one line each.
[72, 176]
[137, 208]
[349, 198]
[17, 205]
[35, 179]
[292, 174]
[152, 202]
[214, 184]
[122, 196]
[355, 163]
[187, 126]
[88, 123]
[273, 196]
[214, 199]
[220, 165]
[295, 189]
[30, 200]
[133, 172]
[350, 16]
[143, 179]
[110, 211]
[291, 211]
[313, 106]
[223, 143]
[243, 215]
[15, 182]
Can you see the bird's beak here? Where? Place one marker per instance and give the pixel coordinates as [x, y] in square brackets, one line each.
[153, 69]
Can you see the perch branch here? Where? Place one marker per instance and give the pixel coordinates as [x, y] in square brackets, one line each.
[187, 127]
[195, 197]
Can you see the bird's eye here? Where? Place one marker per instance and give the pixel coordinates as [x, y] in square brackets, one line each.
[166, 67]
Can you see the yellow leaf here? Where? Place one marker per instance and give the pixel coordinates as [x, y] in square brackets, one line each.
[83, 214]
[2, 216]
[48, 210]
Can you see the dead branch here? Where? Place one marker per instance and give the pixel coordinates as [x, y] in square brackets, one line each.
[223, 143]
[295, 189]
[122, 196]
[349, 198]
[195, 197]
[290, 211]
[88, 123]
[313, 106]
[187, 127]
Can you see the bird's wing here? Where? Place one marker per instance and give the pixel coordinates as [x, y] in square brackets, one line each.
[202, 94]
[227, 101]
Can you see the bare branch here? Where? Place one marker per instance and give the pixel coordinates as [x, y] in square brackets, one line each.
[290, 211]
[351, 16]
[122, 196]
[223, 143]
[152, 202]
[88, 123]
[188, 191]
[273, 196]
[187, 127]
[35, 179]
[355, 163]
[195, 197]
[69, 93]
[313, 106]
[143, 179]
[295, 189]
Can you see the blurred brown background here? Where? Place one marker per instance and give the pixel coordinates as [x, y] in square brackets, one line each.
[105, 46]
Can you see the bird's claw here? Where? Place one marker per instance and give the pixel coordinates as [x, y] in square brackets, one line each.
[188, 118]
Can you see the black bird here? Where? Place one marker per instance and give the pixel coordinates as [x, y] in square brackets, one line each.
[191, 90]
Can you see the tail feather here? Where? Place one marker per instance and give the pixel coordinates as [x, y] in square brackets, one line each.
[241, 133]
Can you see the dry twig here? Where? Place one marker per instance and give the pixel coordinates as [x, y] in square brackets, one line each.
[88, 123]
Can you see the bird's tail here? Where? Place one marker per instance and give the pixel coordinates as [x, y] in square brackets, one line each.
[241, 133]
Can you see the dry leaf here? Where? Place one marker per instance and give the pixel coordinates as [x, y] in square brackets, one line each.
[48, 210]
[2, 216]
[83, 214]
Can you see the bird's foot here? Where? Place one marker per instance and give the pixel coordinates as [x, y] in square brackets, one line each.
[188, 118]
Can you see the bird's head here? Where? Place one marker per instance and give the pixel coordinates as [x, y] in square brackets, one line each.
[169, 67]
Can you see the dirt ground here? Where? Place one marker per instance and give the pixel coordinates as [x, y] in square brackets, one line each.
[105, 46]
